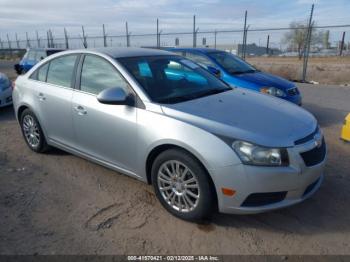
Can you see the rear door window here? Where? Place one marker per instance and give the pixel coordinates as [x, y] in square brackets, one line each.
[61, 70]
[98, 74]
[42, 72]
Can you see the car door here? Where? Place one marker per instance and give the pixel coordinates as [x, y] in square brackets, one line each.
[53, 92]
[105, 132]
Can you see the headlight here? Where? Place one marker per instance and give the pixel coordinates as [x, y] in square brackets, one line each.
[274, 91]
[251, 154]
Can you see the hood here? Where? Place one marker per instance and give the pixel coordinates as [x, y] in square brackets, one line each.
[262, 79]
[246, 115]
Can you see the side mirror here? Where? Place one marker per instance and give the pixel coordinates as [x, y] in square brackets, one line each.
[214, 71]
[115, 96]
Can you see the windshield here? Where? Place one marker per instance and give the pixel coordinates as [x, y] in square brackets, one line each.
[172, 79]
[232, 64]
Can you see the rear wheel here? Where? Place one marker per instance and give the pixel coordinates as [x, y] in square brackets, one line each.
[32, 132]
[182, 185]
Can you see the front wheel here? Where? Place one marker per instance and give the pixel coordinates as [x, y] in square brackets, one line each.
[182, 185]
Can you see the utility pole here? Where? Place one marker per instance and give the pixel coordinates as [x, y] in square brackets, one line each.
[307, 44]
[84, 37]
[17, 42]
[8, 41]
[37, 38]
[66, 38]
[267, 44]
[158, 40]
[244, 35]
[104, 36]
[194, 32]
[342, 44]
[28, 43]
[48, 39]
[127, 34]
[177, 41]
[215, 33]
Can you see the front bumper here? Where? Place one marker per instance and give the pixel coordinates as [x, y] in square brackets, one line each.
[291, 185]
[6, 97]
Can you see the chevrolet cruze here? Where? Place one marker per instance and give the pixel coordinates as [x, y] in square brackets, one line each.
[163, 119]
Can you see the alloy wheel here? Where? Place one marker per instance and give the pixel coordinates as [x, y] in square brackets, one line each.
[31, 131]
[178, 186]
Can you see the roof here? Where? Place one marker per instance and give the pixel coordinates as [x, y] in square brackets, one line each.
[117, 52]
[197, 49]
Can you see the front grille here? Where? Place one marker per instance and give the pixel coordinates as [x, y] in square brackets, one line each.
[293, 91]
[262, 199]
[307, 138]
[315, 155]
[310, 187]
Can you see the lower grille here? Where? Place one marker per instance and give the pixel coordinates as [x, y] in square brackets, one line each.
[315, 155]
[310, 187]
[262, 199]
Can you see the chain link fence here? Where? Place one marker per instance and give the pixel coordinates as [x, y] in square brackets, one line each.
[299, 41]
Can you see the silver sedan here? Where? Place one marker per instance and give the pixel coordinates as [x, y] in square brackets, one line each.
[161, 118]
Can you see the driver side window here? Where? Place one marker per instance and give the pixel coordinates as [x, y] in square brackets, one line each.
[98, 74]
[201, 60]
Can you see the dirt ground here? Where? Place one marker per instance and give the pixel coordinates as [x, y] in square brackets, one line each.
[57, 203]
[324, 70]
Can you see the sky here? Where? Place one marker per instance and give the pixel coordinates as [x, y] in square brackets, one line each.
[22, 16]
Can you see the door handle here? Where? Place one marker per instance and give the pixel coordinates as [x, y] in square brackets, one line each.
[80, 110]
[41, 97]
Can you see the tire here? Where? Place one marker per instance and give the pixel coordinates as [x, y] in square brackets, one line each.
[177, 194]
[32, 132]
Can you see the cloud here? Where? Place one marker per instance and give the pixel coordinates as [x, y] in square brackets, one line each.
[175, 15]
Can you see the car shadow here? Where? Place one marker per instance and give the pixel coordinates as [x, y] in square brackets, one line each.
[7, 113]
[56, 152]
[326, 116]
